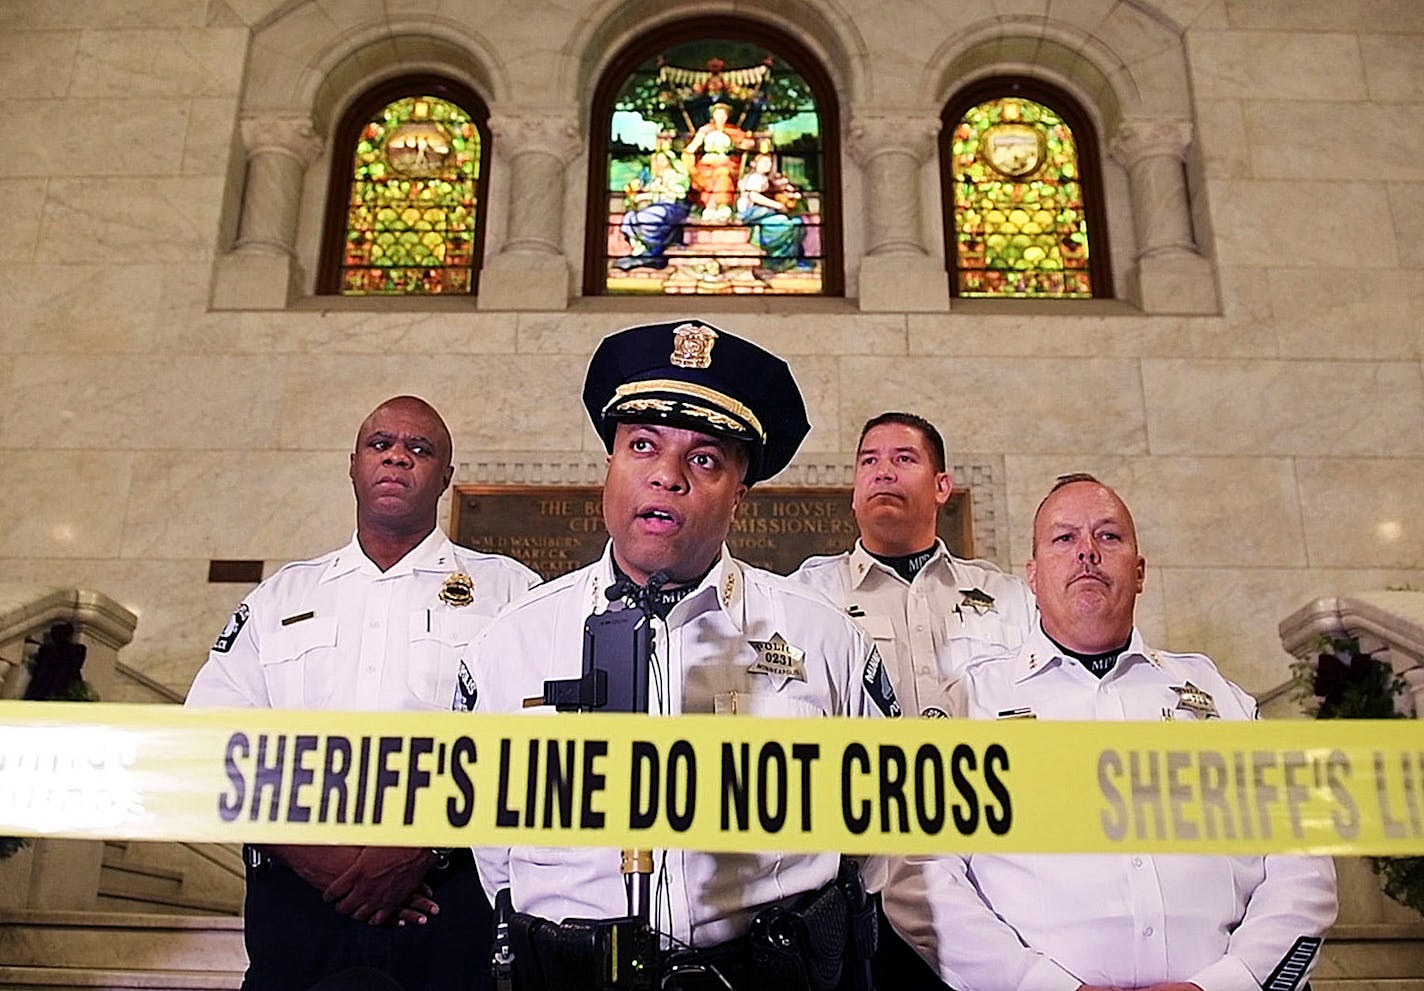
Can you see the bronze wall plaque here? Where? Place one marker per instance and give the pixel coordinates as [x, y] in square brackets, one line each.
[555, 529]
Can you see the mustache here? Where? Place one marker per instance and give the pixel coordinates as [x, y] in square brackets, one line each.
[1090, 570]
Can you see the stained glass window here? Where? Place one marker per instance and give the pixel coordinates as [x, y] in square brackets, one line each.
[1020, 224]
[714, 174]
[410, 214]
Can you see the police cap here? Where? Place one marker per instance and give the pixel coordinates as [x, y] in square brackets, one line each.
[692, 375]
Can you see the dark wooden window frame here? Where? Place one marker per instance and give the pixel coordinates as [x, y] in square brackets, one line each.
[343, 148]
[1085, 138]
[595, 259]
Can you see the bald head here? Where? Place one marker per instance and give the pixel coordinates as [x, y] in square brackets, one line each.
[1086, 570]
[414, 405]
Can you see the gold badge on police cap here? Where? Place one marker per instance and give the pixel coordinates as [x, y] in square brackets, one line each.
[458, 590]
[1193, 699]
[692, 346]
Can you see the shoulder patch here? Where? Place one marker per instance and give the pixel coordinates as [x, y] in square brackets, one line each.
[466, 694]
[234, 626]
[878, 687]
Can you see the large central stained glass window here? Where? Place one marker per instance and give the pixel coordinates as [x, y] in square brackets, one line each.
[1020, 203]
[715, 175]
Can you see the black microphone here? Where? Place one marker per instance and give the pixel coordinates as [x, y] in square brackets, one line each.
[658, 579]
[623, 588]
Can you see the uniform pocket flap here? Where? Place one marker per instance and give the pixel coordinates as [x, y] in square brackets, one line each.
[289, 642]
[879, 627]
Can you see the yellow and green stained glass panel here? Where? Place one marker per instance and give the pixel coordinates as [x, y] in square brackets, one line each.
[410, 222]
[1019, 224]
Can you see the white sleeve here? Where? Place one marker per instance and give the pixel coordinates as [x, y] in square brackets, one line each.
[934, 906]
[232, 675]
[1285, 922]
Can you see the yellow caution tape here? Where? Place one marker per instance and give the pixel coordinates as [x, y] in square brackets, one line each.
[710, 782]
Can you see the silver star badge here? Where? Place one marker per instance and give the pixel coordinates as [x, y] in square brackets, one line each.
[778, 659]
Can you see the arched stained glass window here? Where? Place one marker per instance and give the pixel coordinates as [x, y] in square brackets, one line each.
[406, 212]
[714, 170]
[1022, 193]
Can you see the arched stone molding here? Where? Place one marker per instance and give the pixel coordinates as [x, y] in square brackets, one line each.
[305, 64]
[1129, 73]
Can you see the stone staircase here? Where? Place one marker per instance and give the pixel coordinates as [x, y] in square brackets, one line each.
[60, 950]
[170, 878]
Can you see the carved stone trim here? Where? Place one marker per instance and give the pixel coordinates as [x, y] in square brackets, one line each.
[549, 134]
[872, 135]
[286, 135]
[1151, 138]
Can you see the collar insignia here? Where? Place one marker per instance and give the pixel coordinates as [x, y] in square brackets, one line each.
[1193, 699]
[692, 346]
[780, 660]
[729, 588]
[978, 600]
[458, 590]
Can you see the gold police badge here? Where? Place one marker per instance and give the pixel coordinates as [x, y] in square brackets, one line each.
[978, 600]
[458, 590]
[1194, 700]
[692, 346]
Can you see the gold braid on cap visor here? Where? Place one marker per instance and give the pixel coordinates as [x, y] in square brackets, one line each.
[628, 390]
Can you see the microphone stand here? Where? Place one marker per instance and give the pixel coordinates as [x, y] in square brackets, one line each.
[637, 864]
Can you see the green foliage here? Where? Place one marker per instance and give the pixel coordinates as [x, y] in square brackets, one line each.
[1345, 682]
[79, 691]
[1402, 878]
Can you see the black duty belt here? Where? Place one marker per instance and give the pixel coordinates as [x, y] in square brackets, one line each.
[817, 941]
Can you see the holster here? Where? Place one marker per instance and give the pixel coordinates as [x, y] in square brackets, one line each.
[821, 941]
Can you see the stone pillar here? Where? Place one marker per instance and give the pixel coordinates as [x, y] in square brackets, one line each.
[1170, 275]
[531, 271]
[261, 271]
[896, 272]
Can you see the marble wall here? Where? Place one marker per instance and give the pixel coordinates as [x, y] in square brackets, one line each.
[1271, 441]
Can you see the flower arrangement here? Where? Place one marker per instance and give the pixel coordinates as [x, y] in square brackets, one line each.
[1346, 682]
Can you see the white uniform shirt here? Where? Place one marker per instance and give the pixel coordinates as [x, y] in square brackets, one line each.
[703, 662]
[336, 632]
[928, 630]
[1052, 921]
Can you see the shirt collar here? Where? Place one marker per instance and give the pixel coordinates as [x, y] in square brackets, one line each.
[1039, 653]
[721, 588]
[862, 563]
[434, 553]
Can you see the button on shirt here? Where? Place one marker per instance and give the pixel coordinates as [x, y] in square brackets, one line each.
[336, 632]
[928, 630]
[1052, 921]
[705, 660]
